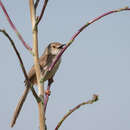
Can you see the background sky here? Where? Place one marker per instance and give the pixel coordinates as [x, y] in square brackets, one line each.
[98, 62]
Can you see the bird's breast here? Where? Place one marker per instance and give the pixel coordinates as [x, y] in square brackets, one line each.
[53, 71]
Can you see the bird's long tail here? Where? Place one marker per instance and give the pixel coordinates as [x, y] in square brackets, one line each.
[19, 106]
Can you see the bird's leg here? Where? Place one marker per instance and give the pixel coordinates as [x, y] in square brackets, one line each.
[47, 93]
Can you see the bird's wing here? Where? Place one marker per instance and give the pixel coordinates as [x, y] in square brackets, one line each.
[42, 61]
[31, 73]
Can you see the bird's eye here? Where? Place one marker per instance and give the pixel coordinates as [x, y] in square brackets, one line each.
[53, 46]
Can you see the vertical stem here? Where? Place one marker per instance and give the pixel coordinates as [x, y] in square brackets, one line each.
[37, 67]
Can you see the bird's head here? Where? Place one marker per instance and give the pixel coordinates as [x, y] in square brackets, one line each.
[55, 47]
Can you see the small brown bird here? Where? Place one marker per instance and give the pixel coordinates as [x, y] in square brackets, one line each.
[47, 58]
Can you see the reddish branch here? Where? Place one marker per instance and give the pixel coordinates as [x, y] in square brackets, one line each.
[94, 99]
[81, 29]
[97, 18]
[47, 93]
[14, 28]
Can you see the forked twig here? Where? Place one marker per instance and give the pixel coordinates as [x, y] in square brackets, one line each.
[42, 12]
[94, 99]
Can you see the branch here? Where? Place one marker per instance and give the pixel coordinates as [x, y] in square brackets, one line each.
[20, 104]
[14, 28]
[96, 19]
[37, 66]
[23, 97]
[94, 99]
[16, 51]
[81, 29]
[42, 12]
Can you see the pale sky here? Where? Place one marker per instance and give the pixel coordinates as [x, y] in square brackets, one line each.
[98, 62]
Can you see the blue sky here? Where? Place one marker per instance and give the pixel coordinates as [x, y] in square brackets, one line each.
[98, 62]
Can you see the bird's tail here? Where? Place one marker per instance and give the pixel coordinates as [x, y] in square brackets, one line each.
[19, 106]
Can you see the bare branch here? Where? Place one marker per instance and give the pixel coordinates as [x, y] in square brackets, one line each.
[20, 103]
[14, 28]
[37, 66]
[19, 106]
[16, 51]
[23, 97]
[81, 29]
[96, 19]
[94, 99]
[42, 12]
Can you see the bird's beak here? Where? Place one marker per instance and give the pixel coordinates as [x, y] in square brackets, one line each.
[61, 46]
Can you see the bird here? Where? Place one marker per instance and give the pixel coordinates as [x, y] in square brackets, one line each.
[49, 55]
[46, 59]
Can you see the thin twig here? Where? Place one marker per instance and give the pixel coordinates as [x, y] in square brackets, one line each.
[14, 28]
[36, 4]
[96, 19]
[20, 103]
[16, 51]
[21, 63]
[42, 12]
[23, 97]
[94, 99]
